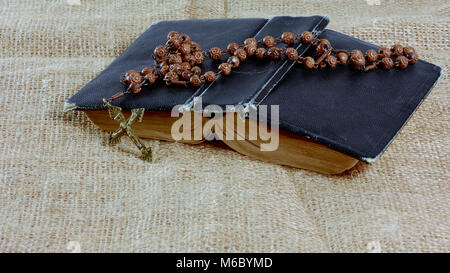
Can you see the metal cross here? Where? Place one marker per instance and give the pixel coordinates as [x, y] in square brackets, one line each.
[115, 112]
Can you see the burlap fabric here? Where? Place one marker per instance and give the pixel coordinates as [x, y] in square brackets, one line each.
[60, 183]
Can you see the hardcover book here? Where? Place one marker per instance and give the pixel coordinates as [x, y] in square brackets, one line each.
[328, 120]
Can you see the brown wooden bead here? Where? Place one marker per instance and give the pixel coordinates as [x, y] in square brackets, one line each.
[189, 58]
[210, 76]
[397, 50]
[357, 60]
[250, 50]
[185, 38]
[215, 53]
[401, 62]
[185, 48]
[171, 77]
[274, 53]
[150, 75]
[411, 54]
[225, 68]
[160, 52]
[175, 68]
[307, 37]
[371, 55]
[291, 54]
[331, 61]
[323, 46]
[251, 42]
[196, 70]
[134, 77]
[134, 88]
[164, 69]
[195, 46]
[356, 52]
[260, 53]
[171, 34]
[232, 47]
[186, 74]
[241, 54]
[185, 66]
[342, 58]
[175, 59]
[234, 61]
[174, 43]
[386, 63]
[198, 57]
[288, 38]
[384, 52]
[269, 41]
[308, 63]
[195, 81]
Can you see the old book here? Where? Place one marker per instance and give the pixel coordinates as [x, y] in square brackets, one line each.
[328, 120]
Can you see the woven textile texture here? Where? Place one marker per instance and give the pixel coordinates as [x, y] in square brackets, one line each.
[62, 188]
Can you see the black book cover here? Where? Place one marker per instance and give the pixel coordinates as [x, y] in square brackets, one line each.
[350, 111]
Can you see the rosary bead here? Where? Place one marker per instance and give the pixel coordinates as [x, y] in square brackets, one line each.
[175, 58]
[273, 53]
[189, 58]
[269, 41]
[323, 46]
[150, 74]
[215, 53]
[386, 63]
[225, 68]
[164, 69]
[198, 57]
[307, 37]
[309, 63]
[288, 38]
[342, 58]
[234, 61]
[171, 34]
[232, 47]
[291, 54]
[241, 54]
[384, 52]
[160, 52]
[185, 48]
[195, 46]
[210, 76]
[411, 54]
[170, 77]
[331, 61]
[250, 50]
[174, 42]
[260, 53]
[196, 70]
[185, 66]
[397, 50]
[186, 74]
[195, 81]
[401, 62]
[133, 77]
[251, 42]
[175, 68]
[357, 60]
[135, 88]
[371, 55]
[185, 38]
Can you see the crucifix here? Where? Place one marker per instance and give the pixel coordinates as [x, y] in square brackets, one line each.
[115, 112]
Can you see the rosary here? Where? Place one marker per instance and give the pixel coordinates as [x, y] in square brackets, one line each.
[177, 63]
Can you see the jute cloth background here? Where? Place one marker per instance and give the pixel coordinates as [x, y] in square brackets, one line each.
[60, 183]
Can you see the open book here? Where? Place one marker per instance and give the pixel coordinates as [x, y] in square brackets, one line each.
[327, 120]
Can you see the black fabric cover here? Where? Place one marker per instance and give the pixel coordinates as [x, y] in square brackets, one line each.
[351, 111]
